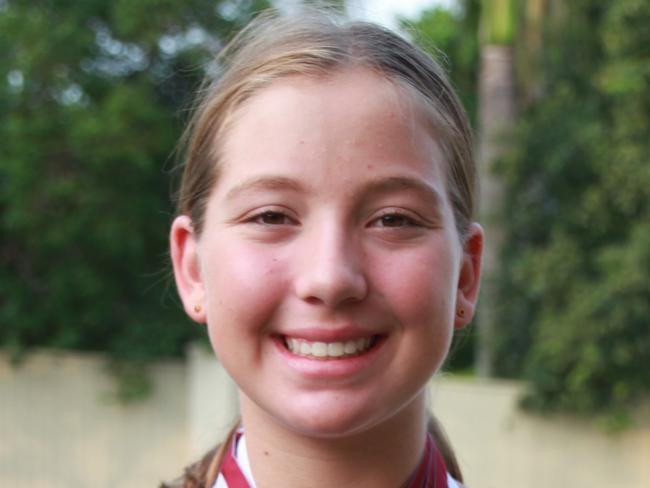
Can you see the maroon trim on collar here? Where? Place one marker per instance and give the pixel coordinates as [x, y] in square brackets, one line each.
[430, 473]
[230, 470]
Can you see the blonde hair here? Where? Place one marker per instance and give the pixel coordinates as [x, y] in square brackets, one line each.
[313, 43]
[316, 44]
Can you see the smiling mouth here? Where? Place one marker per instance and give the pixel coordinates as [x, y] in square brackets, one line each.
[330, 350]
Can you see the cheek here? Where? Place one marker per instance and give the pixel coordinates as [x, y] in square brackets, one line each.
[243, 287]
[421, 288]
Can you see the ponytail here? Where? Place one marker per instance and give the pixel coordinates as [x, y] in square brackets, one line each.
[442, 441]
[203, 473]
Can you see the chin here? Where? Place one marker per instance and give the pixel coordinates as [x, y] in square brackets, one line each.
[323, 420]
[326, 428]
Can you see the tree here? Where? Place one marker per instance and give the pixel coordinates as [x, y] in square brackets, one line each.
[497, 109]
[571, 296]
[575, 290]
[91, 98]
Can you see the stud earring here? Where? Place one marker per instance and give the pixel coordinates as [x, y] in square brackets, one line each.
[197, 308]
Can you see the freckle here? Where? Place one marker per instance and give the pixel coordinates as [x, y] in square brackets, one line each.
[266, 453]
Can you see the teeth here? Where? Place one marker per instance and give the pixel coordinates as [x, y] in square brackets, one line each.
[335, 349]
[323, 350]
[318, 349]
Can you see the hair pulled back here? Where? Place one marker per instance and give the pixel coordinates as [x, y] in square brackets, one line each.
[316, 44]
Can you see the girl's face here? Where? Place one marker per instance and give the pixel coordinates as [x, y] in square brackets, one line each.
[329, 270]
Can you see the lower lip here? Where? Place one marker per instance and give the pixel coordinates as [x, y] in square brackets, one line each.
[329, 368]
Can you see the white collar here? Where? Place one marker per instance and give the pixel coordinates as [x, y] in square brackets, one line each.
[242, 460]
[241, 456]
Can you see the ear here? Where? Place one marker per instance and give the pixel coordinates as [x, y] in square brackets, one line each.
[469, 277]
[187, 268]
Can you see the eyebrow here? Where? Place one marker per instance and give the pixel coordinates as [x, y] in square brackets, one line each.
[404, 183]
[268, 183]
[379, 186]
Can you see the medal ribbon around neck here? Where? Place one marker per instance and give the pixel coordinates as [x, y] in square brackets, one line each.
[430, 473]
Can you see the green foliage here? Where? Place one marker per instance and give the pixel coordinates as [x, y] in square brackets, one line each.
[134, 382]
[91, 95]
[575, 287]
[451, 36]
[498, 21]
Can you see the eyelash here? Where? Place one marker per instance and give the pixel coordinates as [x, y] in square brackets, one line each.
[259, 218]
[405, 219]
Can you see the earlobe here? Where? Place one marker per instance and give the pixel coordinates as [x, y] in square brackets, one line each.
[187, 269]
[469, 277]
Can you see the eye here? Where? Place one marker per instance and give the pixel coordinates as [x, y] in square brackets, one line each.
[395, 220]
[271, 217]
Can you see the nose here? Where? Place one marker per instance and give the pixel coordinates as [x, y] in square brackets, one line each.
[331, 271]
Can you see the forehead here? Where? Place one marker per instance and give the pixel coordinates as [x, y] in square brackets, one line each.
[347, 91]
[353, 116]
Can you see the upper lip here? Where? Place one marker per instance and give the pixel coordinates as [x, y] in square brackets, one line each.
[327, 334]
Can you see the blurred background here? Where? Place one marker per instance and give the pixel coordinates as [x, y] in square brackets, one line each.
[103, 381]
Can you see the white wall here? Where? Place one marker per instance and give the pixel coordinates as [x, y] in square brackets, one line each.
[61, 427]
[500, 446]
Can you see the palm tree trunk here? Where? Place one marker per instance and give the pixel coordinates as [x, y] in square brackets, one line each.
[496, 121]
[529, 52]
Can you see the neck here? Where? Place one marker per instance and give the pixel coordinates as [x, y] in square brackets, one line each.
[384, 455]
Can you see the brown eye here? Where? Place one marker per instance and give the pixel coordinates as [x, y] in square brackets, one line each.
[273, 218]
[395, 220]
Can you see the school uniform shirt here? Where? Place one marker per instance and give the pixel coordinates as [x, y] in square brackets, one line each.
[237, 469]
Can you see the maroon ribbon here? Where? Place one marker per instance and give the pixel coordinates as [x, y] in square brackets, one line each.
[430, 473]
[230, 469]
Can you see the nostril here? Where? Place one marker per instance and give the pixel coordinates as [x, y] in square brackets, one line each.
[334, 299]
[313, 300]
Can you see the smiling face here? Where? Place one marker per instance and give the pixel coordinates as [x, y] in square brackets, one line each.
[329, 270]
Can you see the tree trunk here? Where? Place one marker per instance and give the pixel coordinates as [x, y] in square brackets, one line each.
[529, 52]
[496, 121]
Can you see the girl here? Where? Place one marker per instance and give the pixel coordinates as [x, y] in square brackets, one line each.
[325, 237]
